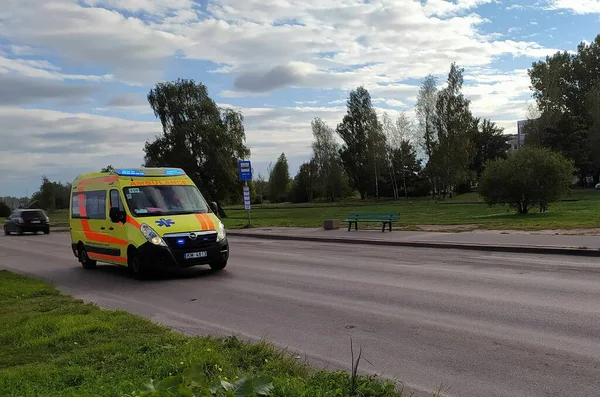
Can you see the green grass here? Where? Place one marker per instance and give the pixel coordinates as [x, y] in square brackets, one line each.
[580, 210]
[467, 209]
[54, 345]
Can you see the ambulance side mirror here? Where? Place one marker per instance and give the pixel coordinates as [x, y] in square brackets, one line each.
[116, 216]
[214, 207]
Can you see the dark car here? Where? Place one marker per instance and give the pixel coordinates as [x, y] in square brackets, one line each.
[24, 221]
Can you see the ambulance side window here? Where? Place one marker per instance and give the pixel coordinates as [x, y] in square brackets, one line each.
[95, 203]
[115, 200]
[75, 206]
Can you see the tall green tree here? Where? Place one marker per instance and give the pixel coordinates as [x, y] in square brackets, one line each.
[108, 168]
[52, 195]
[402, 154]
[563, 86]
[306, 182]
[198, 136]
[279, 180]
[426, 116]
[363, 152]
[489, 143]
[407, 165]
[326, 158]
[454, 123]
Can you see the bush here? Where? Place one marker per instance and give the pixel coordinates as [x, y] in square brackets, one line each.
[528, 177]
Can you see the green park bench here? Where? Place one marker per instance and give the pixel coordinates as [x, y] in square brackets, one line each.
[386, 218]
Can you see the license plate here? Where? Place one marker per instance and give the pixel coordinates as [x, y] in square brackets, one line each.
[195, 255]
[35, 221]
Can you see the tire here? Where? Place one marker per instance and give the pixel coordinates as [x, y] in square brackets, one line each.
[218, 265]
[6, 232]
[46, 231]
[19, 231]
[84, 259]
[137, 268]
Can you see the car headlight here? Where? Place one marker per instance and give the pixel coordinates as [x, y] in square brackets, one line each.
[221, 232]
[151, 235]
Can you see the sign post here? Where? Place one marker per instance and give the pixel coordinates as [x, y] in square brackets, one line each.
[245, 172]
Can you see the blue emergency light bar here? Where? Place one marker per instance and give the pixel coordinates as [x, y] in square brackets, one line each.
[174, 171]
[130, 172]
[150, 172]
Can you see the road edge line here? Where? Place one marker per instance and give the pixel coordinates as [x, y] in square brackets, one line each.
[422, 244]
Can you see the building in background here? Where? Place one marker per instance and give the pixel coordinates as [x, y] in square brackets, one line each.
[521, 132]
[513, 140]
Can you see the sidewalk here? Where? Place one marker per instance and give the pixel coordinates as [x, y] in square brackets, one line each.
[480, 240]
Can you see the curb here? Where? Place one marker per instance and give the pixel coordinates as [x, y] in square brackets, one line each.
[522, 249]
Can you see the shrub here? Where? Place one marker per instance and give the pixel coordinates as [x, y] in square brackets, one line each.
[529, 177]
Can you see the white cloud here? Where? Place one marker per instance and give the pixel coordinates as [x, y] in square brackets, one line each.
[326, 44]
[411, 40]
[44, 69]
[576, 6]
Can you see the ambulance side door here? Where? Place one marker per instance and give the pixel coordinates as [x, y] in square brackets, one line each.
[92, 213]
[117, 231]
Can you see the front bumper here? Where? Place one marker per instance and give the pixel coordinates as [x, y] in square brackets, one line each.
[161, 257]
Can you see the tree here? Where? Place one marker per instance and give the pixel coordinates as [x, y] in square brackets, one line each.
[279, 180]
[406, 164]
[563, 86]
[426, 115]
[393, 138]
[305, 182]
[262, 187]
[489, 143]
[204, 140]
[4, 210]
[528, 177]
[52, 195]
[108, 168]
[402, 155]
[326, 158]
[451, 156]
[363, 152]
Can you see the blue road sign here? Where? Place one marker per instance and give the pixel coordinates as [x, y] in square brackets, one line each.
[245, 170]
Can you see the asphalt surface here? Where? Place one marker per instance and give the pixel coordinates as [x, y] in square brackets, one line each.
[485, 324]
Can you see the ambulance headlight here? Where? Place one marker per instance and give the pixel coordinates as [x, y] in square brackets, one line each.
[221, 232]
[151, 235]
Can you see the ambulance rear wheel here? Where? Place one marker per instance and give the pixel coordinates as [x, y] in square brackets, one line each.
[84, 259]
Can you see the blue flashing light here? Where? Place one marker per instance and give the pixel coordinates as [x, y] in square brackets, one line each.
[181, 241]
[131, 172]
[176, 171]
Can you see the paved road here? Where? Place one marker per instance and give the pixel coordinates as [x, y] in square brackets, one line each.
[484, 324]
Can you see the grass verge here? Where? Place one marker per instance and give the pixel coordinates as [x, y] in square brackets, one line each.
[54, 345]
[580, 210]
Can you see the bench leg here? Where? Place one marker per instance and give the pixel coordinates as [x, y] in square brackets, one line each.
[355, 225]
[383, 227]
[390, 226]
[349, 225]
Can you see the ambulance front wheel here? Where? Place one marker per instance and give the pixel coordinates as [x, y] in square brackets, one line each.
[84, 259]
[218, 265]
[136, 266]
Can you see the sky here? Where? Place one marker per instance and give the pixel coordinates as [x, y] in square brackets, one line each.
[75, 74]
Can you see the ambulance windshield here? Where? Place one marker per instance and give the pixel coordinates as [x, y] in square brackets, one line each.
[165, 200]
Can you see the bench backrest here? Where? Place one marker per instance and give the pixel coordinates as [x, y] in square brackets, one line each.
[374, 216]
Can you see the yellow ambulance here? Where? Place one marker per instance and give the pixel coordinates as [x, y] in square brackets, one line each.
[146, 219]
